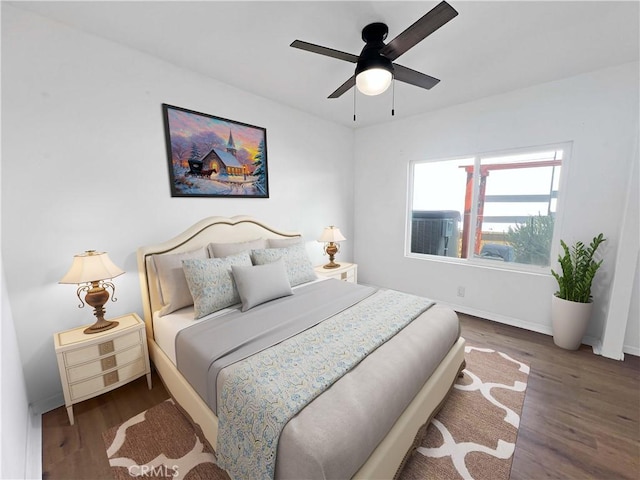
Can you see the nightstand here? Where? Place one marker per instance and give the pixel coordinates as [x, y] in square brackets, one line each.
[346, 271]
[93, 364]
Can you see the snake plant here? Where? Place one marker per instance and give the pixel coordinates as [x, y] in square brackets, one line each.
[578, 270]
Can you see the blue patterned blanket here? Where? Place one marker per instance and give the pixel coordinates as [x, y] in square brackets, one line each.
[269, 388]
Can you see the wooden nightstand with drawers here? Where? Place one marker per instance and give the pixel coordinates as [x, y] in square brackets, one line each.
[93, 364]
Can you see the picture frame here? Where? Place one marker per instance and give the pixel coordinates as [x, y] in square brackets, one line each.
[211, 156]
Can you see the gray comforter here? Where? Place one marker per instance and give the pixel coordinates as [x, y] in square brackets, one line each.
[205, 348]
[334, 434]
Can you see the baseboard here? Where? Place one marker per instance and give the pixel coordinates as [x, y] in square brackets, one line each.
[33, 454]
[48, 404]
[514, 322]
[631, 350]
[596, 344]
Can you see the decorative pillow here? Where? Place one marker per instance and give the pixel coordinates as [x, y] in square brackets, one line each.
[211, 283]
[296, 261]
[283, 242]
[174, 291]
[261, 283]
[219, 250]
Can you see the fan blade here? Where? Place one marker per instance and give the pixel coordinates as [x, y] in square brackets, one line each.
[344, 87]
[412, 77]
[425, 26]
[329, 52]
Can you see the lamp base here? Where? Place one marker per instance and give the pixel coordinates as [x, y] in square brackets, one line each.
[101, 326]
[97, 296]
[331, 249]
[331, 264]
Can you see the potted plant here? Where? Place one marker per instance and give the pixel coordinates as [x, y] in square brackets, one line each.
[571, 305]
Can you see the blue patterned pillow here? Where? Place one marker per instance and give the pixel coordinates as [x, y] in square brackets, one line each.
[211, 283]
[296, 260]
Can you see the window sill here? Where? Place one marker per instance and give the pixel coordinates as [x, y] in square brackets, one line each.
[483, 263]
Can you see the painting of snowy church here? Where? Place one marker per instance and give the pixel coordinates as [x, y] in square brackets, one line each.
[214, 157]
[219, 162]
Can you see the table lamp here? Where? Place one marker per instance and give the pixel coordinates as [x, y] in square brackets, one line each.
[91, 270]
[330, 236]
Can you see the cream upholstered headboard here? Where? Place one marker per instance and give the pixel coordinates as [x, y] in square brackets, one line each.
[210, 230]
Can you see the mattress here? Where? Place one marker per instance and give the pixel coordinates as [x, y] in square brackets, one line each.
[166, 328]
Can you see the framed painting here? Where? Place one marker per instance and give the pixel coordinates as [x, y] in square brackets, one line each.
[211, 156]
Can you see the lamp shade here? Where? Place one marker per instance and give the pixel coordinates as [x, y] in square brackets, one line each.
[374, 81]
[91, 266]
[331, 234]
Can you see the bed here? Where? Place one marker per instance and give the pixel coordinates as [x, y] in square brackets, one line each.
[383, 424]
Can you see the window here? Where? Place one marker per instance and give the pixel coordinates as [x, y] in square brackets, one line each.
[498, 207]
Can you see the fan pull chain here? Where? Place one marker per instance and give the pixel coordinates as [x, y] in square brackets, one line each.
[393, 97]
[354, 104]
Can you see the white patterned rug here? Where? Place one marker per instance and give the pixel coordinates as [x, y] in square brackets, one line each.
[472, 437]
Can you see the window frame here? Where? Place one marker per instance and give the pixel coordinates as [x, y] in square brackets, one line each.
[473, 260]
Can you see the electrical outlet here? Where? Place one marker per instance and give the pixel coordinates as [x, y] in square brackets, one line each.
[461, 291]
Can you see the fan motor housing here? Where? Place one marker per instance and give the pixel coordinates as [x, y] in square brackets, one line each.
[370, 57]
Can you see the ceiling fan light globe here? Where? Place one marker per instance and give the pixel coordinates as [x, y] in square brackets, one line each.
[374, 81]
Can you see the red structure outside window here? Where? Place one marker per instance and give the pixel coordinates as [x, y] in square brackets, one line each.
[468, 199]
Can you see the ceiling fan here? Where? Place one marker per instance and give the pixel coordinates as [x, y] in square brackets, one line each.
[374, 66]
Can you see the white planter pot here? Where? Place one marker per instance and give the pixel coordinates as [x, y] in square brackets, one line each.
[569, 321]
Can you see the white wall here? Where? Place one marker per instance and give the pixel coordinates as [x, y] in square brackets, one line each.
[598, 112]
[20, 431]
[84, 166]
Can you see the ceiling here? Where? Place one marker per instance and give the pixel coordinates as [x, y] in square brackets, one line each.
[489, 48]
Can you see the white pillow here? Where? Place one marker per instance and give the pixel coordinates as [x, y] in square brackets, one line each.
[219, 250]
[261, 283]
[283, 242]
[174, 291]
[296, 261]
[211, 283]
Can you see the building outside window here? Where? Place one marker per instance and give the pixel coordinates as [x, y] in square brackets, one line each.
[497, 207]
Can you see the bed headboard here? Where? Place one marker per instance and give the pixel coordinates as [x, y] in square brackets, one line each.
[210, 230]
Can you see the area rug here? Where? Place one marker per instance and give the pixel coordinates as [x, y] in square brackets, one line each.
[472, 437]
[160, 443]
[474, 434]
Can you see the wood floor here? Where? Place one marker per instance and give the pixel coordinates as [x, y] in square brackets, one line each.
[580, 417]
